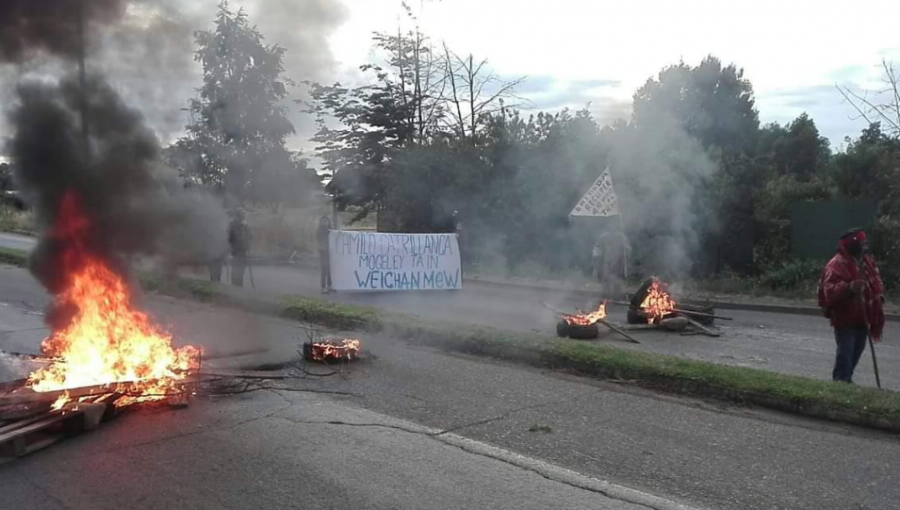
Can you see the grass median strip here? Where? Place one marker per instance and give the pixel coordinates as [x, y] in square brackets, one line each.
[13, 257]
[801, 395]
[329, 314]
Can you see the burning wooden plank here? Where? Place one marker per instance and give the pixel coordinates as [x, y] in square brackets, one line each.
[332, 351]
[128, 389]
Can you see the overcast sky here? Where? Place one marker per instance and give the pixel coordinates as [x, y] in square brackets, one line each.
[573, 52]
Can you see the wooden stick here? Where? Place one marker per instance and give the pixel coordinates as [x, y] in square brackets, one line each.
[640, 327]
[701, 314]
[619, 331]
[703, 328]
[555, 310]
[862, 303]
[31, 357]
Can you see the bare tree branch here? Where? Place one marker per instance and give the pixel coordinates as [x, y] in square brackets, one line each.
[872, 111]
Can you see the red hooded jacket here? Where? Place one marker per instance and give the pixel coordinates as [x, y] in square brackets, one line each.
[844, 308]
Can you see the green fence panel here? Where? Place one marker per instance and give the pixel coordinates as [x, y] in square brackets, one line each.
[817, 226]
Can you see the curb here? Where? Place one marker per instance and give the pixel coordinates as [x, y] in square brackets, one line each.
[722, 305]
[589, 294]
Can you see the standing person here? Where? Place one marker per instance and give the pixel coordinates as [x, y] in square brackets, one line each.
[239, 239]
[851, 295]
[324, 261]
[215, 268]
[610, 254]
[458, 230]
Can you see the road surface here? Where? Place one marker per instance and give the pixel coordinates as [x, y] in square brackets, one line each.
[791, 344]
[384, 443]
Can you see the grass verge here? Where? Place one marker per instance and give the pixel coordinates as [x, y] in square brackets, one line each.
[810, 397]
[332, 315]
[13, 257]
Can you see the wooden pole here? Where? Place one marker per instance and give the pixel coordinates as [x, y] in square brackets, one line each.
[619, 331]
[701, 314]
[701, 327]
[82, 74]
[862, 304]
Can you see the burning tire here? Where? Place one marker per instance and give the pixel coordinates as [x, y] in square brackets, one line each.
[577, 331]
[637, 313]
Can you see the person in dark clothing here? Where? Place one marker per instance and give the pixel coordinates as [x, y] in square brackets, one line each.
[239, 240]
[610, 256]
[851, 295]
[215, 269]
[324, 262]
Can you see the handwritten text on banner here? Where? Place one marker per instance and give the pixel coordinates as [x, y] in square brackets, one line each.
[365, 261]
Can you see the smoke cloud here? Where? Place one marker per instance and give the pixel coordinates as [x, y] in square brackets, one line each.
[660, 173]
[27, 26]
[135, 205]
[145, 48]
[139, 53]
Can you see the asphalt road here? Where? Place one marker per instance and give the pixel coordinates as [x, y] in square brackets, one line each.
[385, 443]
[791, 344]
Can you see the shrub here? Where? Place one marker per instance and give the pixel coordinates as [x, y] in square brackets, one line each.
[792, 275]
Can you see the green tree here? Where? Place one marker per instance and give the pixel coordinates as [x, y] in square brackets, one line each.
[712, 102]
[796, 149]
[238, 126]
[417, 99]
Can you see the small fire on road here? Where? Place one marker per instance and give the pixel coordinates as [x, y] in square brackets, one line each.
[332, 351]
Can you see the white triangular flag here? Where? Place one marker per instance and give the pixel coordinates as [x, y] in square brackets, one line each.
[600, 200]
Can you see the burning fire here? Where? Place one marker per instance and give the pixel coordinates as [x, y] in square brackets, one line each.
[107, 341]
[587, 319]
[658, 302]
[346, 350]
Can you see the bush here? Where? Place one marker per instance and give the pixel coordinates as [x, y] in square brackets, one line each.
[14, 220]
[793, 275]
[281, 233]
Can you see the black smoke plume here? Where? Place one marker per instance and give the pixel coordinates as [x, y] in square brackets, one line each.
[27, 26]
[134, 206]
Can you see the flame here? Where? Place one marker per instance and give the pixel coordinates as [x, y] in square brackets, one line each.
[60, 402]
[330, 351]
[658, 302]
[587, 319]
[107, 342]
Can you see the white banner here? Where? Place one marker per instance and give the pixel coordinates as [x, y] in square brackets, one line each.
[600, 199]
[367, 261]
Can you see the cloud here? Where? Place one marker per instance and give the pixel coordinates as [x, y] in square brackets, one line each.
[605, 97]
[834, 118]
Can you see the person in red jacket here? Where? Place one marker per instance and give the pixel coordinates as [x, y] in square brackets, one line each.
[850, 293]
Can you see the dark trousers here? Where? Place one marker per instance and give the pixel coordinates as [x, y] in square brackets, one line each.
[215, 271]
[238, 265]
[325, 269]
[851, 343]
